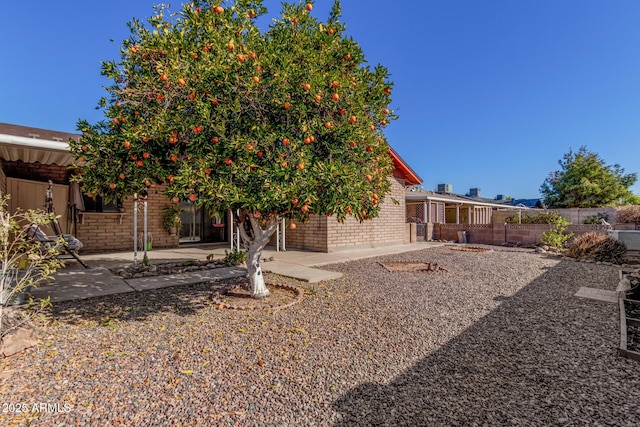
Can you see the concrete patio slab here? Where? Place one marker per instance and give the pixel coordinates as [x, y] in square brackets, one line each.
[157, 282]
[73, 284]
[300, 272]
[597, 294]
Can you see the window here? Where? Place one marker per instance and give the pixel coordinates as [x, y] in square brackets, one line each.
[98, 205]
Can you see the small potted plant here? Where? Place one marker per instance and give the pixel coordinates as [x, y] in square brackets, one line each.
[172, 220]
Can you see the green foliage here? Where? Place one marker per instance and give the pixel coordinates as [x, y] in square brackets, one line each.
[235, 257]
[286, 122]
[596, 219]
[629, 214]
[550, 217]
[172, 217]
[584, 181]
[597, 246]
[24, 262]
[557, 236]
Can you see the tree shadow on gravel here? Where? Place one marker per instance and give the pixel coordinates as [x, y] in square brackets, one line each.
[543, 357]
[180, 300]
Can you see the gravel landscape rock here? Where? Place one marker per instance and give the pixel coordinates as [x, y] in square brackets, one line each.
[497, 339]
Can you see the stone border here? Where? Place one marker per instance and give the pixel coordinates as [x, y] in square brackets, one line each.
[474, 249]
[298, 292]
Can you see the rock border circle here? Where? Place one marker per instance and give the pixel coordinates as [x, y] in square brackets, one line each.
[298, 292]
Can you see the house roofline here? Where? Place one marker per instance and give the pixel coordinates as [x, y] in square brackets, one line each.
[410, 176]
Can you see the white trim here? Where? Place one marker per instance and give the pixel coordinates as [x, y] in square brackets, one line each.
[23, 141]
[31, 150]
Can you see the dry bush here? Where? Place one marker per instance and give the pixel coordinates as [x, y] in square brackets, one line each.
[597, 246]
[629, 214]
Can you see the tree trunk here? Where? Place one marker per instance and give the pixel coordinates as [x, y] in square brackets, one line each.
[255, 244]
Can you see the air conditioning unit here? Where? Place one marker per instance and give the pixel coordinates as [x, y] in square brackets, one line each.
[445, 188]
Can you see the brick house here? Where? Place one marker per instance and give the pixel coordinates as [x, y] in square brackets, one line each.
[30, 157]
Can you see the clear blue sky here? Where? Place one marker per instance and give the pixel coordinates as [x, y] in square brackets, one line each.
[490, 93]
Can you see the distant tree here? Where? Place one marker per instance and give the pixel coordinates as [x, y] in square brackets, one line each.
[282, 123]
[585, 181]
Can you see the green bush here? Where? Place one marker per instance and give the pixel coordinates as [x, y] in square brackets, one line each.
[596, 219]
[597, 246]
[557, 236]
[235, 257]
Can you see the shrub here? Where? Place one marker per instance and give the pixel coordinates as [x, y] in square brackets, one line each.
[597, 246]
[596, 219]
[629, 214]
[24, 261]
[557, 236]
[235, 257]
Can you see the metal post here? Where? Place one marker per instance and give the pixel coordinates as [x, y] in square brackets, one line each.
[238, 232]
[284, 235]
[145, 227]
[277, 236]
[135, 228]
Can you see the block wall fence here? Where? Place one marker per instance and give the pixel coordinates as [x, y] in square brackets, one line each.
[498, 234]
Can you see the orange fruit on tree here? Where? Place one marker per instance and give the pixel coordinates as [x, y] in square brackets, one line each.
[112, 186]
[292, 226]
[193, 197]
[309, 7]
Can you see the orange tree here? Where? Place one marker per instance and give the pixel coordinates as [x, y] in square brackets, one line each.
[285, 122]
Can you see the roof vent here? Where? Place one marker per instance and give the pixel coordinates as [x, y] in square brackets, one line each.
[34, 135]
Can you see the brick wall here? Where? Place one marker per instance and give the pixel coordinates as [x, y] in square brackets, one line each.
[324, 234]
[37, 171]
[109, 232]
[388, 228]
[311, 235]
